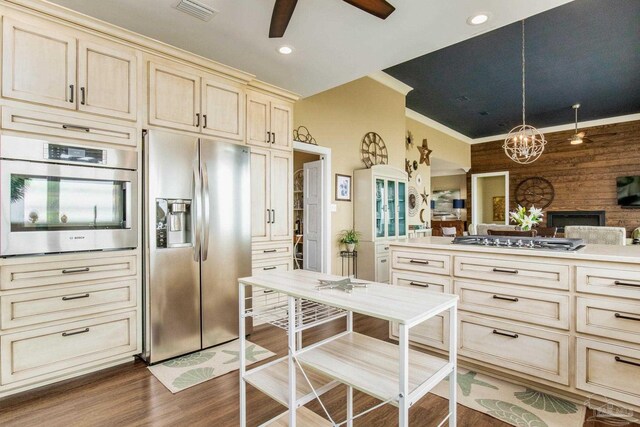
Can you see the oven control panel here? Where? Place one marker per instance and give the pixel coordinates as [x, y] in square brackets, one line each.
[75, 154]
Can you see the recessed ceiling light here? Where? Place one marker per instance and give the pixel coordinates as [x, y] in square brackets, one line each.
[285, 50]
[478, 19]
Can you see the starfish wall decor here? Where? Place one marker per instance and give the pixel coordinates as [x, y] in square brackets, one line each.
[425, 153]
[344, 284]
[425, 197]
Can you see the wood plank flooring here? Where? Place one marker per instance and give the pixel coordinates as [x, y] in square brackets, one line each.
[128, 395]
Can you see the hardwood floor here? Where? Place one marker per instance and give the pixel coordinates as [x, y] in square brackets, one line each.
[128, 395]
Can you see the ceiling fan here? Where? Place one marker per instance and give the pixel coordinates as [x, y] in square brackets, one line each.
[580, 137]
[283, 10]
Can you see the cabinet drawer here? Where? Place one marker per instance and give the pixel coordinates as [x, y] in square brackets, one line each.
[67, 126]
[515, 303]
[609, 370]
[271, 250]
[523, 349]
[65, 272]
[611, 282]
[433, 332]
[382, 249]
[55, 350]
[429, 282]
[45, 306]
[422, 262]
[518, 272]
[285, 264]
[609, 318]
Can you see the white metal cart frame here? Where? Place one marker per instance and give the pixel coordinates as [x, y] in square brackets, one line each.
[359, 361]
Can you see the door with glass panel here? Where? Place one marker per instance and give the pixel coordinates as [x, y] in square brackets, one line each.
[380, 208]
[391, 208]
[402, 209]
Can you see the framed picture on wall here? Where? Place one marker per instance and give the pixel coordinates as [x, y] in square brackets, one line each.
[343, 188]
[498, 208]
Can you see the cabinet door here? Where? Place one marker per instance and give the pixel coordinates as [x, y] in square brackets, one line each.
[39, 64]
[382, 269]
[174, 98]
[380, 208]
[392, 228]
[258, 116]
[281, 190]
[402, 209]
[281, 126]
[222, 109]
[107, 79]
[260, 176]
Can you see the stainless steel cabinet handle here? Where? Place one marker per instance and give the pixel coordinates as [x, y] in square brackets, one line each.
[504, 270]
[74, 127]
[197, 120]
[68, 334]
[75, 297]
[273, 217]
[268, 251]
[75, 270]
[207, 212]
[268, 291]
[619, 283]
[268, 216]
[505, 334]
[268, 268]
[71, 95]
[273, 139]
[268, 137]
[622, 316]
[422, 285]
[512, 299]
[82, 95]
[628, 362]
[418, 261]
[204, 121]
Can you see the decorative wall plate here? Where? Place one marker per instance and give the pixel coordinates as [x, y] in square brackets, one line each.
[414, 197]
[409, 139]
[415, 165]
[535, 191]
[419, 180]
[373, 150]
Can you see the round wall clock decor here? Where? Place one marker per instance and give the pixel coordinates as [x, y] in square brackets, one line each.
[414, 197]
[535, 191]
[373, 150]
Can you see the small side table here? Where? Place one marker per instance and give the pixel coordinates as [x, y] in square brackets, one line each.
[351, 261]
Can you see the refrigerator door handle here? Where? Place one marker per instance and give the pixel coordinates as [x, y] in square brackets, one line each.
[207, 212]
[195, 210]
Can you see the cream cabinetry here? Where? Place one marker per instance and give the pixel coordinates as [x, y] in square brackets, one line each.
[47, 63]
[269, 121]
[188, 99]
[569, 322]
[380, 216]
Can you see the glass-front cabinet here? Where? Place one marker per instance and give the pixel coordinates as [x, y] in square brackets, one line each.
[402, 209]
[380, 208]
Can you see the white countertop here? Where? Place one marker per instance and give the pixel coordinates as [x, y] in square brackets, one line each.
[614, 253]
[393, 303]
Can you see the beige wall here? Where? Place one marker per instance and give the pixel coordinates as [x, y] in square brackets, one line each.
[338, 119]
[444, 147]
[452, 182]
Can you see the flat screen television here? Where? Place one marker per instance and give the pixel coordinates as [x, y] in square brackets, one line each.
[628, 188]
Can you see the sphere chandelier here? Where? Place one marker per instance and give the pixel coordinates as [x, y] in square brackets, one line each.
[524, 144]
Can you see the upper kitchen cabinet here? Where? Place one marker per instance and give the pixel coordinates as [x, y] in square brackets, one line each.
[174, 97]
[269, 122]
[107, 79]
[38, 63]
[223, 106]
[45, 63]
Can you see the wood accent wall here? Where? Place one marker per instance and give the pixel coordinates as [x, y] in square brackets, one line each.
[583, 176]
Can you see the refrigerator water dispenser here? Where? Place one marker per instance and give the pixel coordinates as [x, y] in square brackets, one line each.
[173, 226]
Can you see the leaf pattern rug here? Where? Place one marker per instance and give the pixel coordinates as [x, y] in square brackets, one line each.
[514, 404]
[195, 368]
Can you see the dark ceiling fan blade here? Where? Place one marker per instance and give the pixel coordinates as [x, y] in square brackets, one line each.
[282, 11]
[380, 8]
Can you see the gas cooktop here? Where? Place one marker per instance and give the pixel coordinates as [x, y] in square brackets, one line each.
[545, 243]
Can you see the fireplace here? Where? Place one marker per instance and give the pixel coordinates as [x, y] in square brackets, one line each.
[561, 219]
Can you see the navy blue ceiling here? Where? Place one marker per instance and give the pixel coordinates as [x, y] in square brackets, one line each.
[586, 51]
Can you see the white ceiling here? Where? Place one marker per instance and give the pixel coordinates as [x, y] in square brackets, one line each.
[334, 42]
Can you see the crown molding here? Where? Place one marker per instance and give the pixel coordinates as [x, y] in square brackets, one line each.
[437, 126]
[391, 82]
[568, 126]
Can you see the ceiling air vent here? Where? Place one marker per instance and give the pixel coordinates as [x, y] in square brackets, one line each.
[196, 9]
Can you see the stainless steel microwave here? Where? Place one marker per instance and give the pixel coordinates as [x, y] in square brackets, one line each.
[66, 198]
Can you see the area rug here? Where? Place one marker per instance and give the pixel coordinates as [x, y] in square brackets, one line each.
[186, 371]
[514, 404]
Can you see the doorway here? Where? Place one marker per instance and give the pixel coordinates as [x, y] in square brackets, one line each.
[311, 207]
[490, 198]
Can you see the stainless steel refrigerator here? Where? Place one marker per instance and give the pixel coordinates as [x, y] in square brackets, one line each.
[197, 242]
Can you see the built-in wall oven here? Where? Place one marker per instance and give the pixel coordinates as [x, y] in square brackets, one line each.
[66, 198]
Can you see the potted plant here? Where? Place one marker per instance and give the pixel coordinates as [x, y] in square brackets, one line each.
[524, 221]
[350, 238]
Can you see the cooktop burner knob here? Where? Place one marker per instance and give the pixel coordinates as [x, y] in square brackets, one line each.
[519, 243]
[496, 242]
[532, 244]
[508, 242]
[486, 242]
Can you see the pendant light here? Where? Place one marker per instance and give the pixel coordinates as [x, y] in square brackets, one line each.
[524, 144]
[577, 137]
